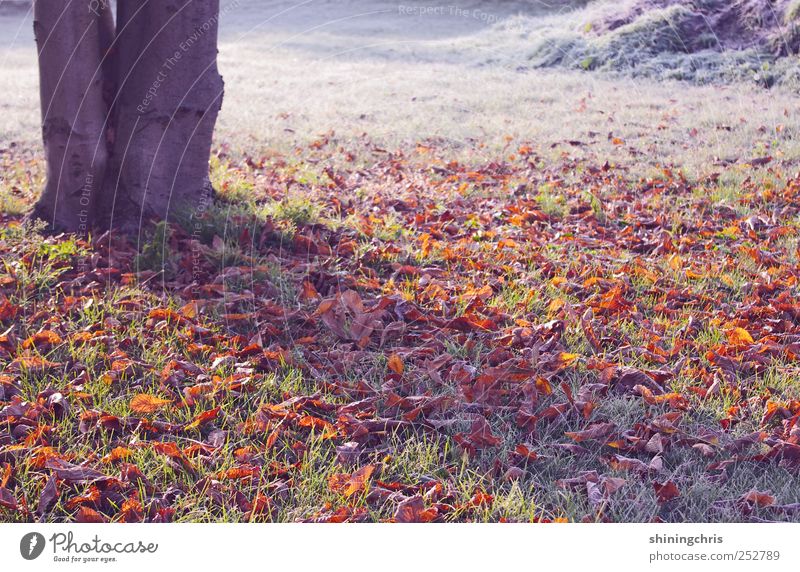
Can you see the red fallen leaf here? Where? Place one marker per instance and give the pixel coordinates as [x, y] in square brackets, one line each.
[203, 417]
[8, 311]
[594, 432]
[413, 510]
[757, 498]
[787, 455]
[526, 452]
[758, 161]
[480, 435]
[168, 448]
[132, 474]
[174, 452]
[131, 511]
[89, 515]
[43, 339]
[110, 423]
[480, 498]
[74, 473]
[91, 497]
[261, 504]
[675, 400]
[666, 491]
[7, 499]
[655, 444]
[341, 514]
[627, 379]
[48, 496]
[349, 485]
[471, 323]
[554, 411]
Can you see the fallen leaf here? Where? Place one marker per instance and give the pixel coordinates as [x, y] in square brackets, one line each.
[146, 404]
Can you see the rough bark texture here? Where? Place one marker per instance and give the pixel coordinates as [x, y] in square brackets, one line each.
[69, 40]
[169, 95]
[128, 111]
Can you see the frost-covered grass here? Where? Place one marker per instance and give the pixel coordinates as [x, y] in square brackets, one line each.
[355, 68]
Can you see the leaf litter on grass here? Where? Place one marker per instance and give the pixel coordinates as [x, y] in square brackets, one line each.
[432, 342]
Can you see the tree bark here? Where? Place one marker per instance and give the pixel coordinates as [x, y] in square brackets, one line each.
[128, 112]
[169, 95]
[69, 39]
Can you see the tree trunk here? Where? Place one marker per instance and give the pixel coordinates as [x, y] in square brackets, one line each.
[169, 95]
[69, 40]
[128, 113]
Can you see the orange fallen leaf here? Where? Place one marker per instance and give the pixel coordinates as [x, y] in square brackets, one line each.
[46, 338]
[757, 498]
[146, 404]
[396, 364]
[203, 417]
[349, 485]
[740, 337]
[117, 454]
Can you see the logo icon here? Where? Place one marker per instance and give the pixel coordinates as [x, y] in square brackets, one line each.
[31, 546]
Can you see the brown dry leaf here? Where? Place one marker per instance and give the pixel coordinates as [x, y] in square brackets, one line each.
[597, 431]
